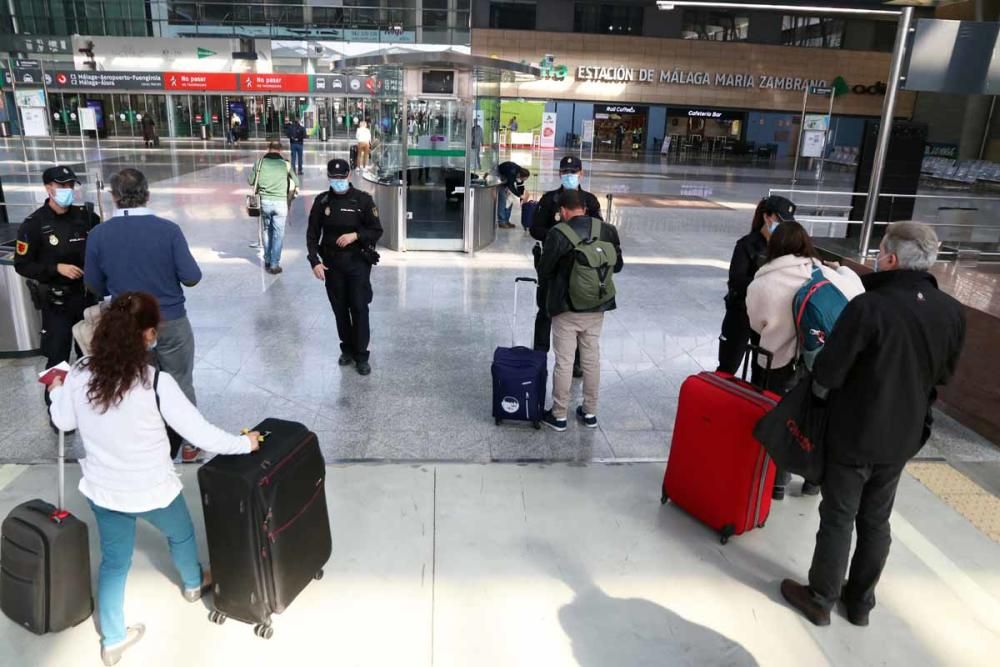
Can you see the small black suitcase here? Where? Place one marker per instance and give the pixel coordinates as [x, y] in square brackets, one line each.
[354, 156]
[267, 524]
[45, 564]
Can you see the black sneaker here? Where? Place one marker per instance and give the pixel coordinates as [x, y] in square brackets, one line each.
[590, 421]
[364, 368]
[555, 424]
[778, 493]
[345, 359]
[810, 489]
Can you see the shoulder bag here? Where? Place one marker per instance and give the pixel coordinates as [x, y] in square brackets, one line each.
[253, 199]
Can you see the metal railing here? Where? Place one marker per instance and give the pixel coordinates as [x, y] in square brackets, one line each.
[966, 225]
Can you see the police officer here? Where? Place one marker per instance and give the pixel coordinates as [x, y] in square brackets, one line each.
[547, 217]
[343, 229]
[51, 245]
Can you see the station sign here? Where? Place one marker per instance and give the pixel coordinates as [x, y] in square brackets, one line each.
[274, 83]
[33, 44]
[105, 80]
[199, 81]
[621, 109]
[710, 114]
[328, 83]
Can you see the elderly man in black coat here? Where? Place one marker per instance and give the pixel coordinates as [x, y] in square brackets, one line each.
[889, 350]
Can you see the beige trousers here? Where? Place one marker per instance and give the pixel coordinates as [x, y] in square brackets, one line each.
[364, 150]
[568, 330]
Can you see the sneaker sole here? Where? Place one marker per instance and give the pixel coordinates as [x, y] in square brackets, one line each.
[558, 429]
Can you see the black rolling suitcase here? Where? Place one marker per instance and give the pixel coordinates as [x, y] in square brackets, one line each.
[354, 156]
[45, 564]
[267, 524]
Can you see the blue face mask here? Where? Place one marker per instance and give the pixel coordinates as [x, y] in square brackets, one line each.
[774, 226]
[340, 185]
[64, 197]
[571, 181]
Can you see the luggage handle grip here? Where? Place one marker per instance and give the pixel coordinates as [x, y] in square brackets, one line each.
[769, 360]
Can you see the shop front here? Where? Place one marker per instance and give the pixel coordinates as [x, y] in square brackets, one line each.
[620, 127]
[704, 130]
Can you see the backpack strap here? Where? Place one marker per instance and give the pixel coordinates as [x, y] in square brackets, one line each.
[595, 229]
[570, 233]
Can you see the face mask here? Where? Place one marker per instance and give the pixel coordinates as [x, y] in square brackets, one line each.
[64, 197]
[340, 185]
[571, 181]
[151, 346]
[774, 225]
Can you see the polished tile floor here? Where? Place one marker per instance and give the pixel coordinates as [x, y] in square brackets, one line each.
[267, 346]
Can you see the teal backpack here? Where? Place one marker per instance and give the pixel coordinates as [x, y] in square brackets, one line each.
[591, 284]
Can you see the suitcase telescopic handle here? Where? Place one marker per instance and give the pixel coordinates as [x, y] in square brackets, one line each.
[513, 323]
[61, 459]
[768, 360]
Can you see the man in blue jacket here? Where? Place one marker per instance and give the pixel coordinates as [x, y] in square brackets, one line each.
[296, 136]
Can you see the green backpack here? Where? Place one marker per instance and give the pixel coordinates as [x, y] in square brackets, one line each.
[590, 280]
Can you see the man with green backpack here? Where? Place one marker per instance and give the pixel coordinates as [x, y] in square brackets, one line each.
[578, 261]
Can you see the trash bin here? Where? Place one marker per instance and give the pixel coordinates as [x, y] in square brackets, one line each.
[204, 132]
[20, 321]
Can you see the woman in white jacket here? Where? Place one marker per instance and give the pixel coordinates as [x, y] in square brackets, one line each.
[791, 258]
[127, 473]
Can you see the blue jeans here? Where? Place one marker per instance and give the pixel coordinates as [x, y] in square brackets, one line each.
[117, 531]
[297, 158]
[272, 216]
[503, 211]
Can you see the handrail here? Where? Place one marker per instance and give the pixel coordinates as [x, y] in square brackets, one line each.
[884, 194]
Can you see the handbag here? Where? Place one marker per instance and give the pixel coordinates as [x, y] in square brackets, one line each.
[253, 199]
[793, 432]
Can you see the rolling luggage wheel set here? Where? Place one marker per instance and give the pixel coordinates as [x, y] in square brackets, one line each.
[717, 471]
[520, 375]
[263, 630]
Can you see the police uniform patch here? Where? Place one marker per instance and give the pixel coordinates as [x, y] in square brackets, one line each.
[53, 239]
[327, 211]
[22, 247]
[375, 211]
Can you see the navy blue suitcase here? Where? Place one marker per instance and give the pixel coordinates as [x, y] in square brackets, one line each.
[528, 210]
[520, 375]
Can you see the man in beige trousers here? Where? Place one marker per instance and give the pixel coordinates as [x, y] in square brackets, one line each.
[578, 259]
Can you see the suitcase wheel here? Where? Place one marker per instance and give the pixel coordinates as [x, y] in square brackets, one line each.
[664, 499]
[497, 420]
[537, 425]
[216, 617]
[263, 631]
[727, 531]
[318, 575]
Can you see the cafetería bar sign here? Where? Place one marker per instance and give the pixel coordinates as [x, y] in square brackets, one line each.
[683, 77]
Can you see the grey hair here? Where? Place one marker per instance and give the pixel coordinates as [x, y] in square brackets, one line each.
[130, 189]
[914, 244]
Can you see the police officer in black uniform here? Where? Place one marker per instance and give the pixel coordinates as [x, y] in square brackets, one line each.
[343, 229]
[547, 217]
[51, 245]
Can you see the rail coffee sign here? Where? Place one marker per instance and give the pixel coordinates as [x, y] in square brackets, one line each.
[694, 78]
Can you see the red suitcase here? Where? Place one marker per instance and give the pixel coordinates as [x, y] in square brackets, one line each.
[716, 470]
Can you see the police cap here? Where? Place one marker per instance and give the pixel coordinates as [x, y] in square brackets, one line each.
[338, 168]
[59, 174]
[570, 163]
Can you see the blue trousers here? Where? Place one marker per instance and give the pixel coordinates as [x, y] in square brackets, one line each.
[297, 158]
[117, 531]
[503, 211]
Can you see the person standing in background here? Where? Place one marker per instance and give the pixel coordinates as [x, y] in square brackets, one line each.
[296, 136]
[364, 138]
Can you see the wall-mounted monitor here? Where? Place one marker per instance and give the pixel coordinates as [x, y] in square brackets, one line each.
[438, 82]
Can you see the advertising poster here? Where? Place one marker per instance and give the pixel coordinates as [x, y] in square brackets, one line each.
[816, 122]
[813, 142]
[548, 130]
[35, 122]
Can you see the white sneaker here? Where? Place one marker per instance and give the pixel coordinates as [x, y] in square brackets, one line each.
[194, 594]
[110, 655]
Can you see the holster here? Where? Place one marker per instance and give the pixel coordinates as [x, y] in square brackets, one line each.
[35, 290]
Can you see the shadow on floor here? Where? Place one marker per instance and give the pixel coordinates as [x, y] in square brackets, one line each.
[606, 630]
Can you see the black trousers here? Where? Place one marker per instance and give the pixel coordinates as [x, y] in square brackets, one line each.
[543, 326]
[57, 326]
[349, 288]
[853, 497]
[736, 333]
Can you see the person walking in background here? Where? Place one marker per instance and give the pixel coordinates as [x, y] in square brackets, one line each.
[513, 175]
[277, 185]
[138, 251]
[791, 259]
[579, 293]
[148, 130]
[513, 124]
[749, 255]
[892, 346]
[364, 139]
[119, 405]
[296, 136]
[234, 128]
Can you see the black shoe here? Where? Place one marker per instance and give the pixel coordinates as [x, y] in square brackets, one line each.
[364, 368]
[590, 421]
[555, 424]
[799, 597]
[275, 270]
[855, 616]
[577, 371]
[778, 493]
[267, 267]
[345, 359]
[810, 489]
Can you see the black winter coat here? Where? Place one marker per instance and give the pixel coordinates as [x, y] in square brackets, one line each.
[547, 215]
[889, 350]
[749, 255]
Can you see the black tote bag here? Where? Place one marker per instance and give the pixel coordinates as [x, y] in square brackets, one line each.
[793, 432]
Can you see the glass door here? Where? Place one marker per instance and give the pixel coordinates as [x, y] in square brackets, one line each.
[435, 173]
